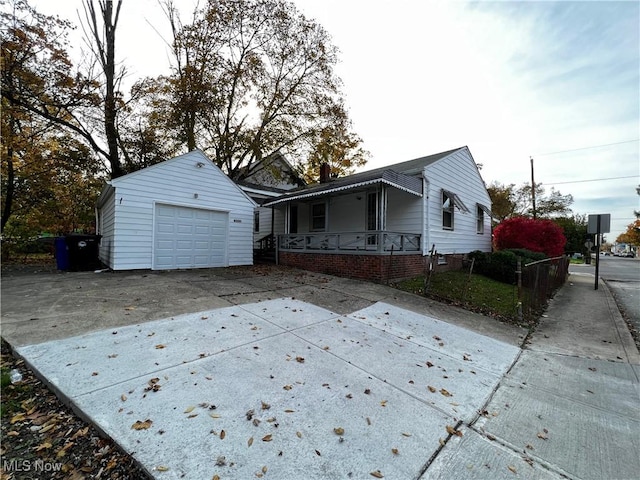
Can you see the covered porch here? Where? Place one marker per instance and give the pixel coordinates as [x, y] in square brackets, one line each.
[358, 226]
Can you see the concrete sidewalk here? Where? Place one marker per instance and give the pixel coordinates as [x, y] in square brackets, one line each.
[413, 388]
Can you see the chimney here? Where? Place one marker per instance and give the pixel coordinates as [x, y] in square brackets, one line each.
[325, 173]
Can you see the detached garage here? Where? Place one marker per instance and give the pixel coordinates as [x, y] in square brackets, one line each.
[181, 213]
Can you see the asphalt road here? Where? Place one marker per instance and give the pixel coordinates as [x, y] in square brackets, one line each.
[622, 275]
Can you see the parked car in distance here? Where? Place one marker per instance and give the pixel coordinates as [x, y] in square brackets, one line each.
[628, 254]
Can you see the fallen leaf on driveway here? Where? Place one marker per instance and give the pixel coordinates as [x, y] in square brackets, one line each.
[513, 469]
[162, 468]
[377, 474]
[431, 389]
[338, 431]
[142, 425]
[267, 438]
[300, 359]
[445, 392]
[160, 346]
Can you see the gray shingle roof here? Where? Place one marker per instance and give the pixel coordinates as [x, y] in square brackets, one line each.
[398, 175]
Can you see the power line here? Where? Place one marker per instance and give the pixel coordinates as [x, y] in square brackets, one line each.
[589, 180]
[586, 148]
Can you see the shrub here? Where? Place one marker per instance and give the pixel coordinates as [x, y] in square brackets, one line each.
[501, 265]
[535, 235]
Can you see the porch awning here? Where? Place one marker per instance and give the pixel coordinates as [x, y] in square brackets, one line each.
[406, 183]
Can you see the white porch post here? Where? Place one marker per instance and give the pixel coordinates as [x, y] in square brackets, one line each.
[382, 215]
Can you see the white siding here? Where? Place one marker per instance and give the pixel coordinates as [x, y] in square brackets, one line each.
[106, 227]
[347, 213]
[404, 212]
[457, 173]
[179, 181]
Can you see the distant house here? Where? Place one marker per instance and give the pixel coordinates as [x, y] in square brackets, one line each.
[381, 224]
[181, 213]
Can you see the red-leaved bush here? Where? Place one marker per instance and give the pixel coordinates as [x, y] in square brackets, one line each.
[535, 235]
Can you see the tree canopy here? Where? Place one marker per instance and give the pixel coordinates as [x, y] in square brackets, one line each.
[251, 78]
[508, 201]
[631, 235]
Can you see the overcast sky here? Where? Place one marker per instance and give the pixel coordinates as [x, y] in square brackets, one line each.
[556, 81]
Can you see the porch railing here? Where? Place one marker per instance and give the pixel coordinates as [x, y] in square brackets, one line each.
[363, 242]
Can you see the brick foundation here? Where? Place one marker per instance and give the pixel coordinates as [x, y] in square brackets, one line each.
[376, 268]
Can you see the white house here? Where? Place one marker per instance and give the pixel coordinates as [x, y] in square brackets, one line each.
[382, 223]
[181, 213]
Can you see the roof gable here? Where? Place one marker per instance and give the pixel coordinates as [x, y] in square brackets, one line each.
[197, 158]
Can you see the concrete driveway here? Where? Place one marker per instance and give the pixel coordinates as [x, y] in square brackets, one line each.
[264, 372]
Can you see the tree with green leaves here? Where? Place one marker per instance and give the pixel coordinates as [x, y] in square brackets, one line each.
[508, 201]
[251, 78]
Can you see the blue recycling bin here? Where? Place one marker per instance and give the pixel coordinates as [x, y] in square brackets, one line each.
[62, 253]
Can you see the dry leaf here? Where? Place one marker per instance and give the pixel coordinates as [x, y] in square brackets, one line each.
[395, 451]
[513, 469]
[543, 436]
[288, 410]
[429, 364]
[445, 392]
[43, 446]
[264, 469]
[318, 453]
[222, 434]
[189, 409]
[299, 435]
[367, 391]
[431, 389]
[383, 403]
[300, 359]
[267, 438]
[142, 425]
[338, 431]
[450, 430]
[123, 397]
[265, 406]
[287, 387]
[160, 346]
[215, 477]
[162, 468]
[377, 474]
[18, 418]
[250, 442]
[406, 434]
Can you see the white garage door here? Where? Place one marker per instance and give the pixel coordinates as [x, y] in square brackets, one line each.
[189, 238]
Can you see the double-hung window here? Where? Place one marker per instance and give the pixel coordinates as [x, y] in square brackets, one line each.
[481, 211]
[451, 201]
[447, 210]
[318, 217]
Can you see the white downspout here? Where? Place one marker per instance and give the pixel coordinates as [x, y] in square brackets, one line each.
[425, 212]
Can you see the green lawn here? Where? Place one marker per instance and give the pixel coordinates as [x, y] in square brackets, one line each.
[477, 293]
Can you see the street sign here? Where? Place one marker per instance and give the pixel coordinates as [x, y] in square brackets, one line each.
[605, 223]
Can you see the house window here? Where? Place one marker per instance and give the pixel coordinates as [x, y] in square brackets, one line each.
[256, 221]
[447, 210]
[479, 220]
[318, 217]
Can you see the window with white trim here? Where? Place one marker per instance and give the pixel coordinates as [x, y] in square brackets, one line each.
[318, 217]
[447, 210]
[479, 220]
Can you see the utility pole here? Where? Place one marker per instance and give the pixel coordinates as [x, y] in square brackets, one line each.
[533, 191]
